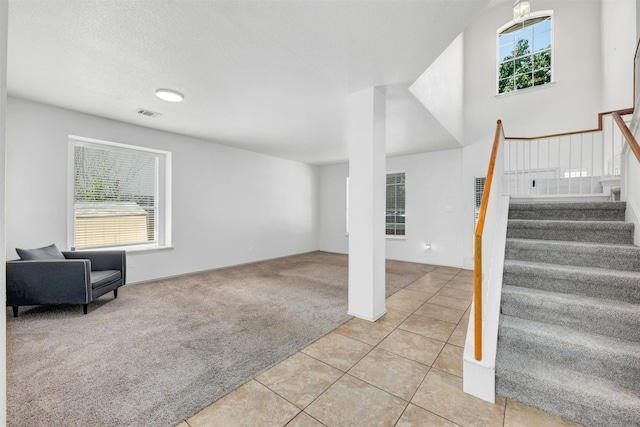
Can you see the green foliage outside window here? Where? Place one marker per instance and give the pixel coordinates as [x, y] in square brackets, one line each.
[525, 55]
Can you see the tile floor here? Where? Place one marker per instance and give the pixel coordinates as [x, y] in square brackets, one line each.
[403, 370]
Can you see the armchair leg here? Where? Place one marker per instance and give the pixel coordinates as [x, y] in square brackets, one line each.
[85, 307]
[15, 311]
[115, 293]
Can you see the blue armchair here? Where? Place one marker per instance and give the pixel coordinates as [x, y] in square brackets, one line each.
[53, 277]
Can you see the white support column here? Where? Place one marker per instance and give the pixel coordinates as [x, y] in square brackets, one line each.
[3, 108]
[367, 169]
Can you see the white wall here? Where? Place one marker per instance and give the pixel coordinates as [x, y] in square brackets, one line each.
[618, 49]
[441, 88]
[333, 203]
[434, 208]
[230, 206]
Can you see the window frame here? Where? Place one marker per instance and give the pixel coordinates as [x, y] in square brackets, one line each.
[396, 236]
[532, 15]
[163, 196]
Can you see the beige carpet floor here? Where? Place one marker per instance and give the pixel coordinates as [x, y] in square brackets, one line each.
[163, 350]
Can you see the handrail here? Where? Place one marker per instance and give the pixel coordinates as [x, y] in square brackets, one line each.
[623, 112]
[477, 258]
[628, 136]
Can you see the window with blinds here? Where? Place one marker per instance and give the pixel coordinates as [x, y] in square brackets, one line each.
[115, 195]
[395, 214]
[478, 191]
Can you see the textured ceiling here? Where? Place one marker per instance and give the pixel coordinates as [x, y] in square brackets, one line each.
[267, 76]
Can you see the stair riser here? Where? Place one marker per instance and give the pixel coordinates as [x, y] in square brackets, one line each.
[595, 415]
[620, 369]
[626, 260]
[572, 211]
[619, 325]
[568, 215]
[618, 236]
[610, 287]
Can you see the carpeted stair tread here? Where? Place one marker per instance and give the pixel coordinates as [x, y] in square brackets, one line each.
[614, 358]
[584, 231]
[582, 397]
[577, 211]
[596, 315]
[568, 340]
[611, 256]
[588, 281]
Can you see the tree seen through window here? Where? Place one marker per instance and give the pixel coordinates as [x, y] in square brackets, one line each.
[525, 54]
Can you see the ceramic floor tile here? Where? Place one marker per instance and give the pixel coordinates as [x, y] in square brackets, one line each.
[465, 273]
[458, 304]
[465, 294]
[429, 267]
[459, 335]
[394, 317]
[450, 360]
[425, 288]
[460, 284]
[352, 402]
[441, 275]
[442, 394]
[390, 372]
[430, 280]
[300, 379]
[465, 318]
[439, 312]
[520, 415]
[338, 351]
[412, 346]
[432, 328]
[362, 330]
[250, 405]
[447, 270]
[414, 416]
[413, 295]
[304, 420]
[403, 304]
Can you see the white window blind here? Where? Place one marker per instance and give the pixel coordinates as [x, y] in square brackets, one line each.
[395, 214]
[478, 192]
[115, 196]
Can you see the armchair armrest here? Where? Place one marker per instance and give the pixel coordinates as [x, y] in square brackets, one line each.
[102, 260]
[48, 282]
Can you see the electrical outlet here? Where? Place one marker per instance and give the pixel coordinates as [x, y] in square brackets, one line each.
[132, 263]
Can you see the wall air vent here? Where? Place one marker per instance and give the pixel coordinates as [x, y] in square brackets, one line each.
[148, 113]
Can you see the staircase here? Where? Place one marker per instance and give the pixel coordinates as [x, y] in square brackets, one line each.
[569, 334]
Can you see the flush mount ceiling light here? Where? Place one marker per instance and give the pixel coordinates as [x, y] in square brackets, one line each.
[169, 95]
[521, 10]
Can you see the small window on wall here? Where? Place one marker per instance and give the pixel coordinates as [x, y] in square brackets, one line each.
[395, 215]
[525, 53]
[120, 196]
[479, 191]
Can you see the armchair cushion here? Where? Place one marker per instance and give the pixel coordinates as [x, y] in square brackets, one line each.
[104, 277]
[47, 252]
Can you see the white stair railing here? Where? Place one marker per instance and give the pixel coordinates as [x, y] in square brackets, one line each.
[572, 164]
